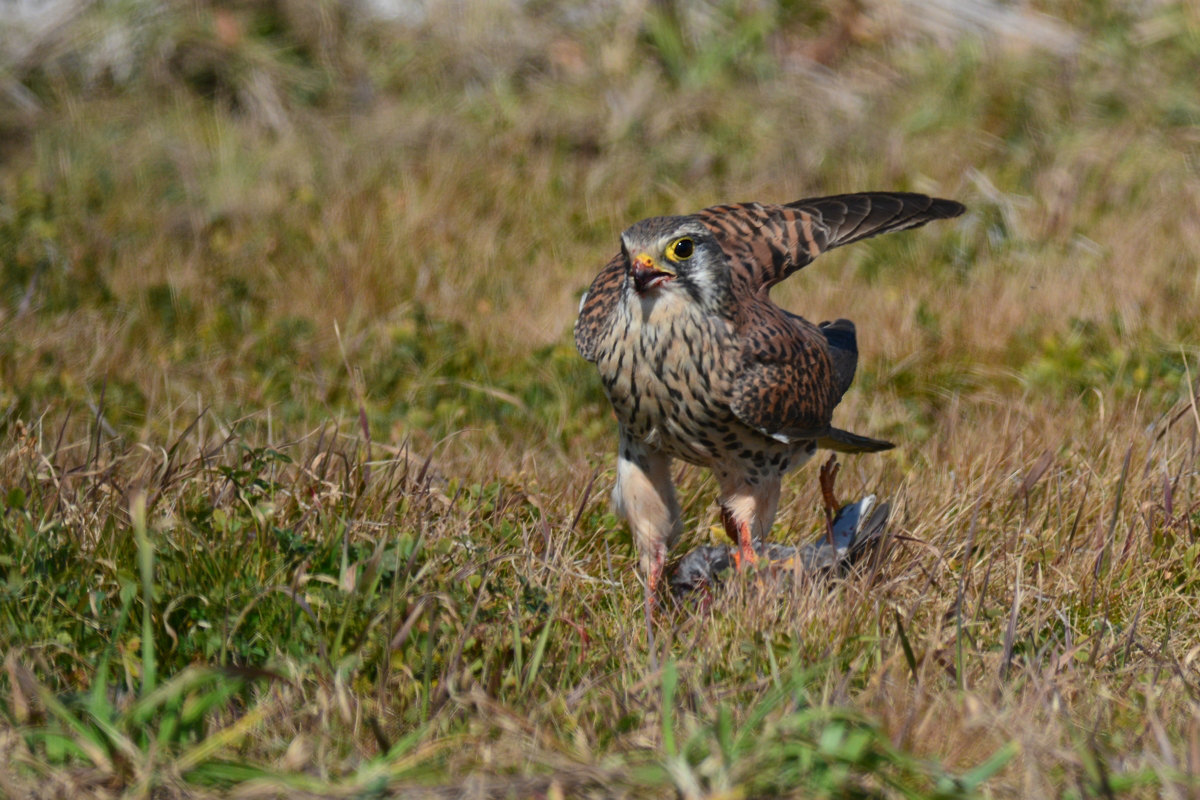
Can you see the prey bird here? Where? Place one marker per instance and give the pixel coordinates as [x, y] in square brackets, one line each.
[700, 365]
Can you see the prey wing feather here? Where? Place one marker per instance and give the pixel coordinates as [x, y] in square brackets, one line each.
[596, 308]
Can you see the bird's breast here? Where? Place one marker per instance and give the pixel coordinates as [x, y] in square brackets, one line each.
[667, 369]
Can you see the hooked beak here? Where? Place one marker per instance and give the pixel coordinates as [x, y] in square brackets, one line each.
[647, 274]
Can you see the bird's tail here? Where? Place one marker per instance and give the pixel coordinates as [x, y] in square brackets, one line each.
[847, 442]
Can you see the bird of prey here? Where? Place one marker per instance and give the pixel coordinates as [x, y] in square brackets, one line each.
[700, 365]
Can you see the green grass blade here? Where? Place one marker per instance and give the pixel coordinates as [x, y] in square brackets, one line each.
[539, 651]
[975, 777]
[670, 682]
[137, 511]
[229, 736]
[59, 747]
[98, 702]
[87, 739]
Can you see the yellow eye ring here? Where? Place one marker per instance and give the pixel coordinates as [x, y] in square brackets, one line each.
[681, 249]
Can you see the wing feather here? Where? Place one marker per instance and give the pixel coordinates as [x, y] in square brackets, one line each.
[843, 351]
[597, 307]
[794, 373]
[773, 241]
[786, 387]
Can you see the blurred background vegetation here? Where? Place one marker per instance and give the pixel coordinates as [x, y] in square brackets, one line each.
[195, 195]
[234, 233]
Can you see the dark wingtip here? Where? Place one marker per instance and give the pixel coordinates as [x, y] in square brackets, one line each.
[942, 208]
[846, 442]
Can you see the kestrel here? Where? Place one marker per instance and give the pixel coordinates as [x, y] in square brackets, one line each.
[700, 365]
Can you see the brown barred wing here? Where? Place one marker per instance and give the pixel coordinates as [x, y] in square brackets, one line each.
[767, 243]
[846, 218]
[786, 387]
[597, 306]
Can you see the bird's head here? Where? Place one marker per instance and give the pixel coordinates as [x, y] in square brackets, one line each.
[665, 255]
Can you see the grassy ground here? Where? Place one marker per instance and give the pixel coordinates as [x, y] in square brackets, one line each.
[305, 488]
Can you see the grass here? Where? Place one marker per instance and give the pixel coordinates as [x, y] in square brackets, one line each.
[303, 488]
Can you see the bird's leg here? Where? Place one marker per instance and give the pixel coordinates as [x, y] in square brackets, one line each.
[748, 511]
[829, 471]
[739, 532]
[654, 575]
[645, 496]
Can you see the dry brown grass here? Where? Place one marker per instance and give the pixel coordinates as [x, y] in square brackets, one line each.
[332, 349]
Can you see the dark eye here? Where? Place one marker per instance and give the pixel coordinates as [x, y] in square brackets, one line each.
[681, 249]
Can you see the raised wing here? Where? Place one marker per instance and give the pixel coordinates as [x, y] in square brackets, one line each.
[597, 306]
[767, 243]
[792, 372]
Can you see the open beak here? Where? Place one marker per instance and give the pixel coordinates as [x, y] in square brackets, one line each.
[647, 274]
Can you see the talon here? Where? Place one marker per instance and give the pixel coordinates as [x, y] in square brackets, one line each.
[653, 579]
[829, 472]
[743, 558]
[828, 475]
